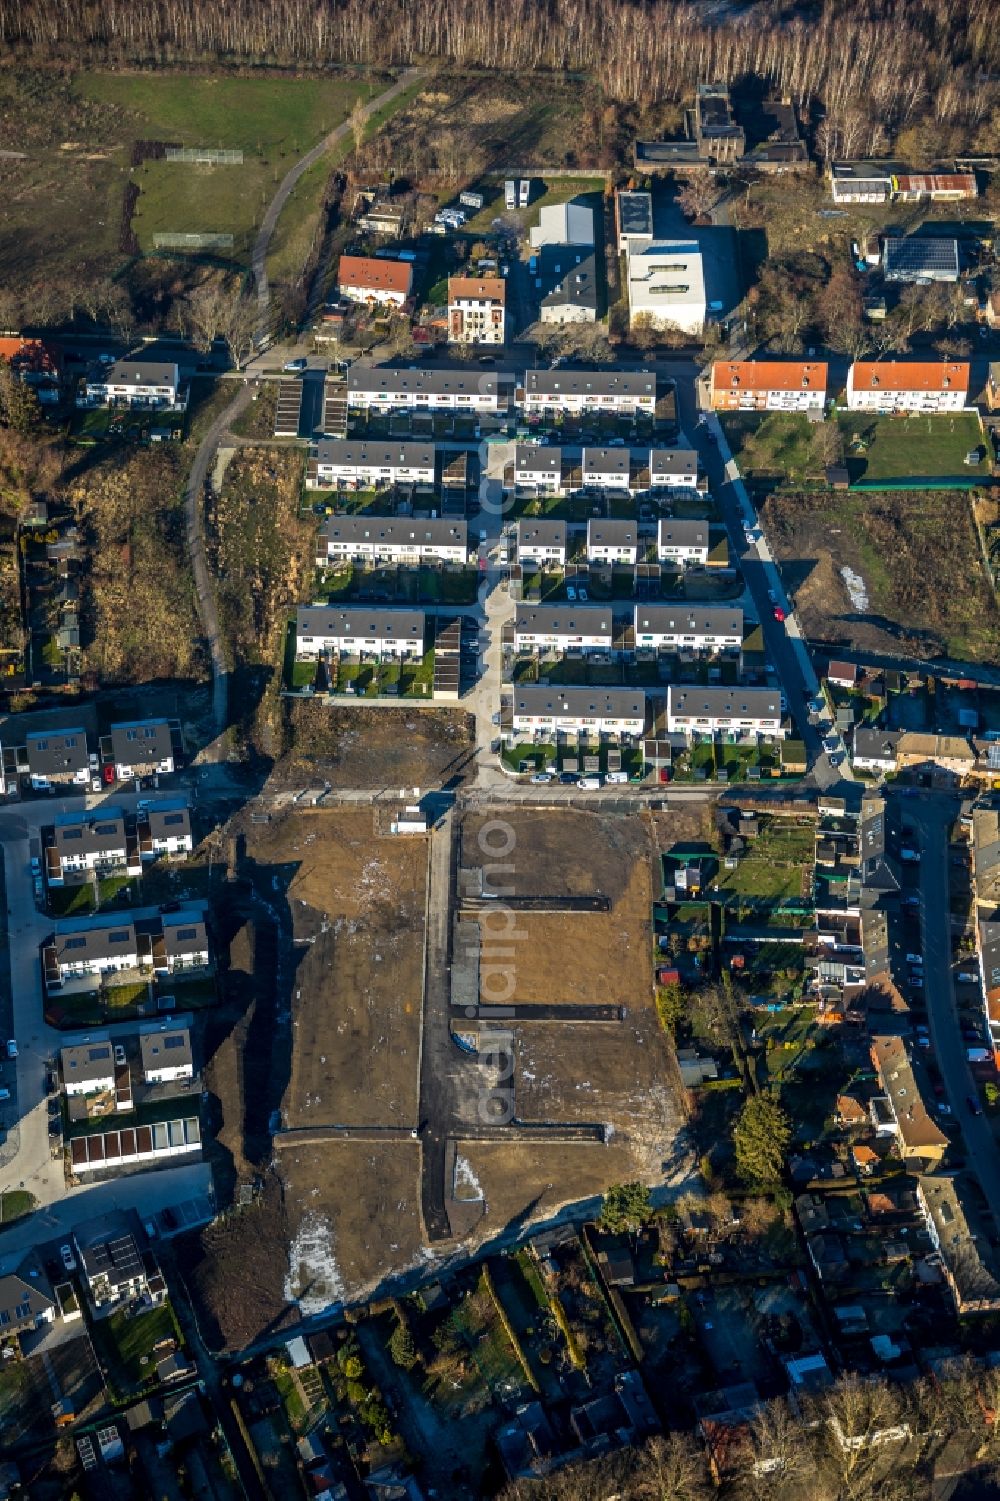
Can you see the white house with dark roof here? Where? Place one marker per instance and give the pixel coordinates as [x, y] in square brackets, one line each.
[373, 632]
[682, 541]
[688, 627]
[612, 541]
[83, 947]
[539, 467]
[393, 539]
[462, 388]
[624, 391]
[607, 469]
[541, 710]
[136, 382]
[88, 1068]
[673, 471]
[349, 464]
[563, 628]
[183, 944]
[737, 712]
[89, 842]
[27, 1301]
[57, 758]
[112, 1264]
[142, 748]
[166, 1055]
[541, 542]
[165, 829]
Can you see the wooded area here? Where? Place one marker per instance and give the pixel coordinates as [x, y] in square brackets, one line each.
[884, 61]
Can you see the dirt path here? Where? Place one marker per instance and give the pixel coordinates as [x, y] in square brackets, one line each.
[287, 186]
[203, 591]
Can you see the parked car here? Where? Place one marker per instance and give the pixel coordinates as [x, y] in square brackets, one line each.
[778, 614]
[12, 1047]
[295, 365]
[974, 1106]
[589, 784]
[616, 776]
[119, 1055]
[542, 776]
[583, 595]
[68, 1259]
[571, 593]
[568, 778]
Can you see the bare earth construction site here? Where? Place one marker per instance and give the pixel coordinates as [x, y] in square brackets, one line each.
[474, 1042]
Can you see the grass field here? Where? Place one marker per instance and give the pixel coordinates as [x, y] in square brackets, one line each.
[921, 446]
[780, 443]
[273, 121]
[775, 863]
[125, 1344]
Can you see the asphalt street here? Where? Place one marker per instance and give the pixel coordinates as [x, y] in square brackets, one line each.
[932, 816]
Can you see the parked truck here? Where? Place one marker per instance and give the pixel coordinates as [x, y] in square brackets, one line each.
[510, 193]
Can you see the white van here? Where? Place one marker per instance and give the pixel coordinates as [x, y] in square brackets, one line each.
[616, 776]
[589, 784]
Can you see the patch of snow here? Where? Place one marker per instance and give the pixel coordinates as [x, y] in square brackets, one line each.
[855, 586]
[467, 1186]
[314, 1280]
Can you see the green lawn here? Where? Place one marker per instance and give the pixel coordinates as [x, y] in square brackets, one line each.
[15, 1204]
[190, 995]
[123, 997]
[272, 120]
[774, 865]
[66, 901]
[928, 446]
[279, 117]
[779, 443]
[125, 1345]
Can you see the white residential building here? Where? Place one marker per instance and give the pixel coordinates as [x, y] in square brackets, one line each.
[618, 391]
[88, 1068]
[730, 711]
[346, 464]
[136, 383]
[539, 468]
[375, 279]
[388, 388]
[607, 469]
[563, 628]
[142, 748]
[673, 471]
[477, 309]
[666, 282]
[88, 947]
[612, 541]
[393, 539]
[542, 711]
[907, 386]
[182, 944]
[682, 541]
[322, 629]
[689, 628]
[57, 758]
[166, 1055]
[87, 843]
[165, 829]
[541, 543]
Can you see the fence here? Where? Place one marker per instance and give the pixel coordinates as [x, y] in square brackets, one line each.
[193, 242]
[204, 156]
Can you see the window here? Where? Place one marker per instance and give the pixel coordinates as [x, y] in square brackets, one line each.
[172, 819]
[184, 935]
[120, 935]
[74, 943]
